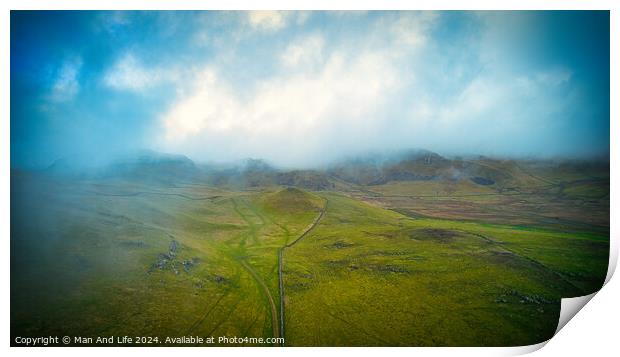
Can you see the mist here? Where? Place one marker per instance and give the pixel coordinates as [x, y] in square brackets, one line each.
[305, 89]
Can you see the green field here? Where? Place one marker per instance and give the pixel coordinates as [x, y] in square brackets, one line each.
[400, 263]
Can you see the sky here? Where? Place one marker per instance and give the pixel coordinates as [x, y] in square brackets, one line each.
[302, 89]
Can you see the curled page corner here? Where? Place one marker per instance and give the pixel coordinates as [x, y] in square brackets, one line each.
[523, 350]
[570, 307]
[613, 260]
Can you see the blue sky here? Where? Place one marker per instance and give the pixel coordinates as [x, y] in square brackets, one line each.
[303, 88]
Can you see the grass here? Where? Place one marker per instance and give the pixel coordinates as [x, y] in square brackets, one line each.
[381, 268]
[369, 277]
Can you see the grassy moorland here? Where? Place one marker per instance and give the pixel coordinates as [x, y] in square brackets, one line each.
[401, 260]
[367, 276]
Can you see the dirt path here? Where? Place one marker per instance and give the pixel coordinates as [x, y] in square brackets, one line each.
[278, 328]
[261, 283]
[206, 314]
[531, 261]
[253, 229]
[281, 259]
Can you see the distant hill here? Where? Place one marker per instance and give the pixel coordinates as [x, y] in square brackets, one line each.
[424, 165]
[154, 167]
[144, 166]
[258, 173]
[291, 200]
[368, 170]
[308, 179]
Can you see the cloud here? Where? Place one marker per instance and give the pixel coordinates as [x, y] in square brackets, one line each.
[411, 28]
[273, 21]
[288, 117]
[113, 21]
[66, 85]
[307, 52]
[305, 87]
[129, 74]
[302, 17]
[390, 87]
[268, 20]
[322, 101]
[495, 112]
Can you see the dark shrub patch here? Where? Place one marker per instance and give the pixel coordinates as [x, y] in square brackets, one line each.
[482, 181]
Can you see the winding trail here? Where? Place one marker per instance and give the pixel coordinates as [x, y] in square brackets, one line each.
[278, 328]
[253, 232]
[531, 261]
[281, 259]
[261, 283]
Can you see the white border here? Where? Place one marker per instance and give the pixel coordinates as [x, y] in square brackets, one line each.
[601, 324]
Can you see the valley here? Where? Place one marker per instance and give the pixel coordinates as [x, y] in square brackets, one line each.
[417, 250]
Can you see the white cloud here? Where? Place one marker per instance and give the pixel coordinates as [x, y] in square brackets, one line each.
[478, 97]
[283, 112]
[411, 28]
[494, 112]
[66, 85]
[131, 75]
[272, 21]
[341, 95]
[302, 17]
[268, 20]
[112, 21]
[332, 97]
[307, 52]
